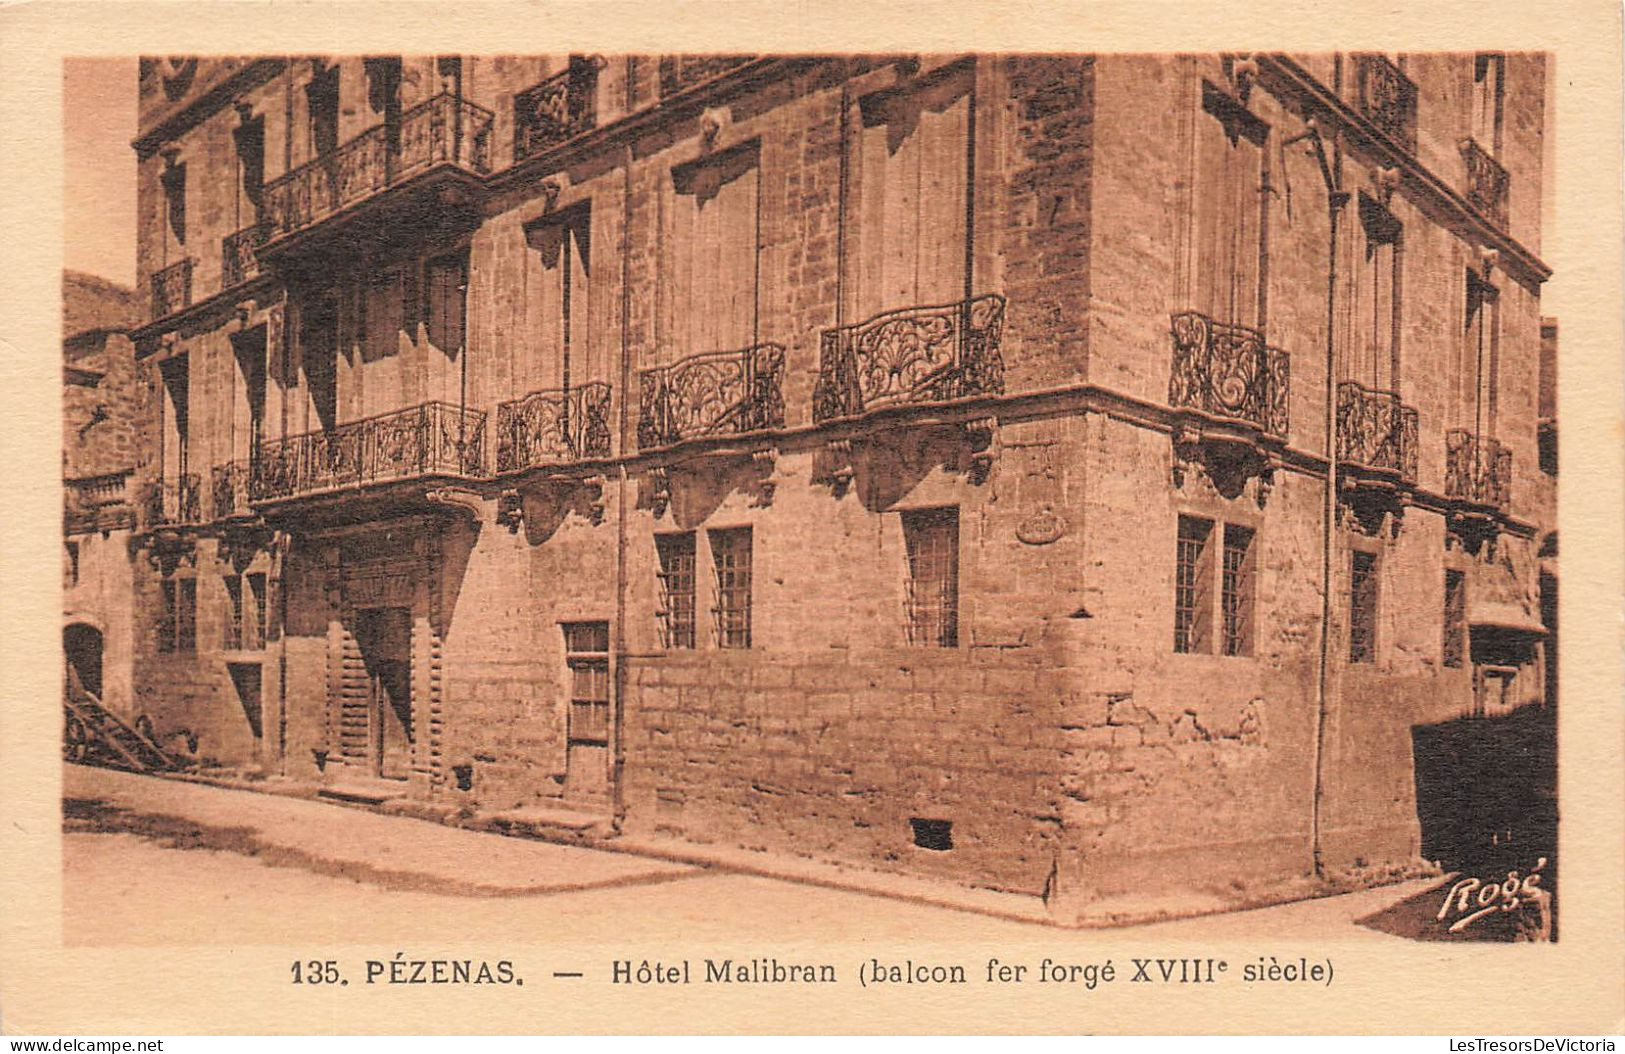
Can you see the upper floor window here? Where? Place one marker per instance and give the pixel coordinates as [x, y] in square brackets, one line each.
[1372, 326]
[250, 141]
[1222, 266]
[322, 107]
[447, 280]
[931, 537]
[173, 181]
[177, 417]
[1482, 355]
[709, 251]
[563, 246]
[1489, 73]
[912, 188]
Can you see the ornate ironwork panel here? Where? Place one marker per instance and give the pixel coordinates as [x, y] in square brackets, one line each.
[556, 110]
[1478, 469]
[173, 501]
[553, 427]
[442, 130]
[680, 72]
[911, 356]
[1487, 182]
[1387, 98]
[1375, 430]
[238, 262]
[228, 490]
[715, 394]
[433, 439]
[1228, 372]
[172, 289]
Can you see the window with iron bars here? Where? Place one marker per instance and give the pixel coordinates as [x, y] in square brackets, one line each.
[677, 607]
[1455, 619]
[731, 557]
[931, 537]
[1236, 590]
[245, 625]
[1362, 607]
[586, 647]
[1193, 575]
[177, 626]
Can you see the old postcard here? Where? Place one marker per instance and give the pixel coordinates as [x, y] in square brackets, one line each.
[595, 518]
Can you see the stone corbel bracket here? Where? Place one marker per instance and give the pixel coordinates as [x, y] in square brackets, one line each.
[459, 500]
[983, 436]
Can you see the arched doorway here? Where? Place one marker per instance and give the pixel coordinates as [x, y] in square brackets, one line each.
[82, 646]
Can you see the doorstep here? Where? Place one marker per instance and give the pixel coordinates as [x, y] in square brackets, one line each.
[550, 820]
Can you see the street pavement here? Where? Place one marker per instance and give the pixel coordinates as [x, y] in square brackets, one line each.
[150, 861]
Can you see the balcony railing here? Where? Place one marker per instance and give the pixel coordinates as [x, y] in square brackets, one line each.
[554, 427]
[913, 356]
[1477, 469]
[1487, 182]
[171, 502]
[238, 259]
[1227, 372]
[434, 439]
[94, 503]
[228, 490]
[172, 289]
[1387, 98]
[681, 72]
[716, 394]
[444, 130]
[556, 110]
[1376, 431]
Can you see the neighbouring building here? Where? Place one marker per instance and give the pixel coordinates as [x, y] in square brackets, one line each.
[917, 462]
[100, 411]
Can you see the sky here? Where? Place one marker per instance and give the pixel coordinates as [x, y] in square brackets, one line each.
[99, 120]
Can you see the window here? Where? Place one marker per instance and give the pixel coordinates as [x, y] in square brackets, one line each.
[245, 623]
[1193, 575]
[322, 105]
[250, 140]
[1373, 298]
[1489, 70]
[710, 249]
[731, 554]
[174, 184]
[1483, 354]
[931, 537]
[177, 626]
[1222, 277]
[318, 339]
[677, 606]
[563, 246]
[448, 292]
[1455, 618]
[1362, 607]
[915, 151]
[1236, 590]
[586, 646]
[177, 419]
[73, 562]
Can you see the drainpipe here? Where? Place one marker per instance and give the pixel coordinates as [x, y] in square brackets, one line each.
[618, 626]
[1336, 199]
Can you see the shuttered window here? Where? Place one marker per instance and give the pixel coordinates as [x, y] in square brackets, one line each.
[710, 247]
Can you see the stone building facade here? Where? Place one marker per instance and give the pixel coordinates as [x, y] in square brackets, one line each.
[914, 462]
[100, 407]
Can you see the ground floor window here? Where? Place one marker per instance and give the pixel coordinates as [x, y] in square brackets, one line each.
[587, 659]
[931, 537]
[1362, 607]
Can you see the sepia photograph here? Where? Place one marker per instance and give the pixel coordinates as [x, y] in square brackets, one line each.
[655, 516]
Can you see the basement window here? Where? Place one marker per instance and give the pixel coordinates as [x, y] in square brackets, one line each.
[936, 835]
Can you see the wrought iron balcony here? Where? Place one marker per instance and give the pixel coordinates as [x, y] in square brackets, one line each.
[556, 110]
[171, 289]
[1227, 373]
[1387, 98]
[445, 130]
[1376, 432]
[433, 439]
[228, 490]
[554, 427]
[173, 502]
[716, 394]
[918, 355]
[1487, 182]
[681, 72]
[238, 259]
[1477, 470]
